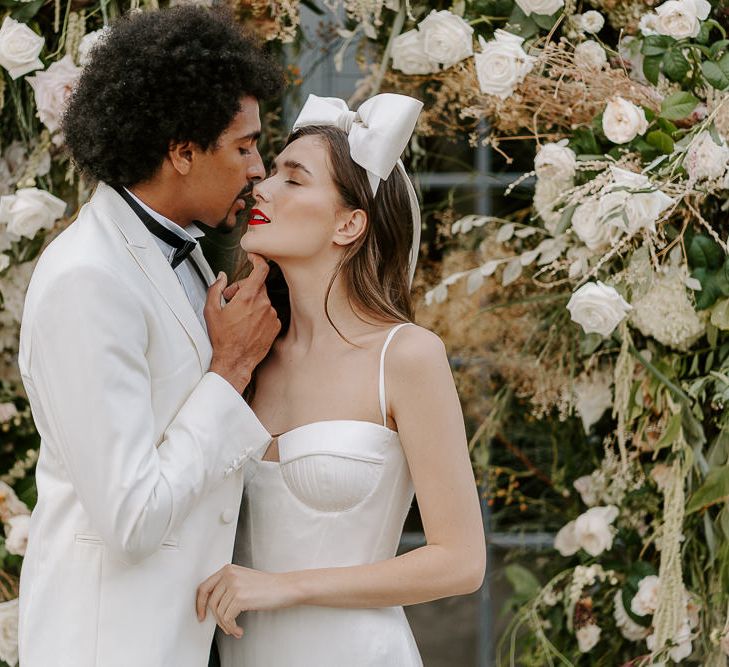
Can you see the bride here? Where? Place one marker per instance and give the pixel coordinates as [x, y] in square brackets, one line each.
[365, 411]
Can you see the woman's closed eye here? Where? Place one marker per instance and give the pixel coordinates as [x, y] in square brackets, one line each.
[290, 182]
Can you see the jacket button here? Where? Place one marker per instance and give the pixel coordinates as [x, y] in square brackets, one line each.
[228, 515]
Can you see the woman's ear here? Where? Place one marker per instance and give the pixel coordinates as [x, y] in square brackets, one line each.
[180, 155]
[350, 226]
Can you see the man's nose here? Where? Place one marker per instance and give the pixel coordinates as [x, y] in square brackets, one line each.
[256, 171]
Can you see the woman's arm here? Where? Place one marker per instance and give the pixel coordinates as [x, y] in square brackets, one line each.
[423, 401]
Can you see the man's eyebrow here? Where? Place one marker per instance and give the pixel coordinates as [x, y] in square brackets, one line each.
[253, 136]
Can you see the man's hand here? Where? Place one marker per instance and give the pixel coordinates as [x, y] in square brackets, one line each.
[243, 330]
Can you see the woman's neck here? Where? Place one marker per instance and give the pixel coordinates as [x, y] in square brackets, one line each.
[307, 295]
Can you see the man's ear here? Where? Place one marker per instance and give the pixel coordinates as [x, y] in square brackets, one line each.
[180, 155]
[351, 225]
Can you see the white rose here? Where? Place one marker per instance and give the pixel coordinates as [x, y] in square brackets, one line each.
[645, 601]
[648, 25]
[623, 121]
[705, 159]
[565, 541]
[547, 193]
[9, 632]
[447, 38]
[556, 161]
[587, 636]
[408, 55]
[592, 22]
[16, 534]
[544, 7]
[502, 64]
[590, 55]
[598, 308]
[591, 228]
[593, 531]
[644, 209]
[585, 486]
[592, 398]
[52, 89]
[632, 211]
[88, 41]
[19, 48]
[29, 210]
[681, 18]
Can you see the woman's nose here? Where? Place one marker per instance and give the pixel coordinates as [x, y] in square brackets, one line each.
[259, 191]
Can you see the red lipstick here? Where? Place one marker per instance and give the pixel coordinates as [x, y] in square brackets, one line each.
[258, 218]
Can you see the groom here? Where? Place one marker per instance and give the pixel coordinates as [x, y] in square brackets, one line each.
[133, 369]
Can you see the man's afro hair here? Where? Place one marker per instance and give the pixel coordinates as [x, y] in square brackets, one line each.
[158, 77]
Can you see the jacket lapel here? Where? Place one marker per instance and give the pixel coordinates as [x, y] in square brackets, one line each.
[147, 254]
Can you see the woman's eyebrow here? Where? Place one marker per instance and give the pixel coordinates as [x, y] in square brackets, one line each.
[293, 164]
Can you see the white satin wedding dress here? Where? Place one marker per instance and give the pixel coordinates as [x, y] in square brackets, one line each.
[338, 497]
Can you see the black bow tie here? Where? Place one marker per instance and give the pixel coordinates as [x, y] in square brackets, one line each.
[182, 247]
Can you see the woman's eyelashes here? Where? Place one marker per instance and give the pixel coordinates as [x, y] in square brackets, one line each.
[290, 182]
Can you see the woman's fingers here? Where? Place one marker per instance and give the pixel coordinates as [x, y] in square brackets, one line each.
[230, 615]
[203, 595]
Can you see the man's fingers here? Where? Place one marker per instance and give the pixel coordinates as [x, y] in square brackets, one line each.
[214, 601]
[203, 593]
[215, 293]
[257, 277]
[231, 613]
[223, 605]
[231, 290]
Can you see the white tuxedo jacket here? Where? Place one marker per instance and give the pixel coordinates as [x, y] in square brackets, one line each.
[140, 471]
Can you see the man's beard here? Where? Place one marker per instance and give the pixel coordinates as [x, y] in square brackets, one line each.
[228, 225]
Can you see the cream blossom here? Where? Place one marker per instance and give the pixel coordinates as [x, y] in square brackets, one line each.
[585, 486]
[681, 18]
[9, 632]
[661, 474]
[627, 626]
[598, 308]
[19, 48]
[587, 637]
[10, 504]
[591, 531]
[408, 54]
[4, 263]
[447, 38]
[16, 534]
[592, 397]
[547, 193]
[502, 64]
[592, 22]
[648, 25]
[544, 7]
[645, 601]
[705, 159]
[52, 89]
[623, 121]
[29, 210]
[590, 55]
[556, 161]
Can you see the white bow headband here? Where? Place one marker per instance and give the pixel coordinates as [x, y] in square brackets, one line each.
[378, 133]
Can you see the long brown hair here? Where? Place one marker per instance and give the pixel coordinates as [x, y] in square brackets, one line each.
[375, 268]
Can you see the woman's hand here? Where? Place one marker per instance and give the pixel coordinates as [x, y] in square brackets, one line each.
[234, 589]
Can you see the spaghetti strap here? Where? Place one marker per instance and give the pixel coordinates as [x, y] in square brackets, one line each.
[383, 402]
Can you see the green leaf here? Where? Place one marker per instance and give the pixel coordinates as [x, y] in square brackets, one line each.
[718, 46]
[27, 11]
[704, 252]
[667, 126]
[675, 65]
[715, 489]
[544, 21]
[704, 33]
[673, 430]
[521, 24]
[524, 583]
[661, 141]
[656, 45]
[583, 142]
[652, 68]
[565, 219]
[714, 75]
[678, 106]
